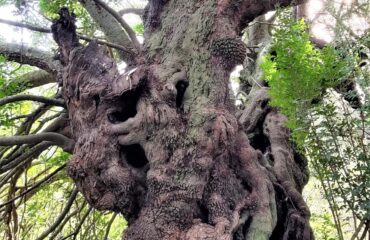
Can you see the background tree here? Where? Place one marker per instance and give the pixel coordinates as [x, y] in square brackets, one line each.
[161, 142]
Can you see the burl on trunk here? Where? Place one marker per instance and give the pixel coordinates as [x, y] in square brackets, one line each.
[162, 144]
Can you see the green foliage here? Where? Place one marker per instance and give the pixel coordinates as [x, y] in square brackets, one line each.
[8, 87]
[139, 29]
[298, 73]
[2, 75]
[51, 8]
[326, 128]
[84, 21]
[324, 226]
[44, 208]
[58, 159]
[340, 154]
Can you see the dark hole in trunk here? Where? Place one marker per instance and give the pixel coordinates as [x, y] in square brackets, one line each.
[202, 213]
[264, 104]
[242, 230]
[246, 185]
[128, 107]
[96, 99]
[282, 211]
[181, 88]
[258, 140]
[134, 155]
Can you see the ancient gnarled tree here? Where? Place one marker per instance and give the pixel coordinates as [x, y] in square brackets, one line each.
[163, 143]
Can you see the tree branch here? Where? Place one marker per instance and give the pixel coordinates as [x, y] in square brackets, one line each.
[357, 230]
[121, 21]
[75, 232]
[28, 55]
[60, 125]
[17, 98]
[86, 38]
[30, 80]
[112, 30]
[38, 184]
[8, 164]
[61, 216]
[137, 11]
[65, 143]
[26, 125]
[41, 123]
[106, 235]
[62, 224]
[25, 25]
[245, 11]
[109, 44]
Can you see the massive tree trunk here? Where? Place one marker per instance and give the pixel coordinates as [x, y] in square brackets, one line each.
[163, 143]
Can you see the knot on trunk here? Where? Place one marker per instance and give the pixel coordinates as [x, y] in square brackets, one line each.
[64, 34]
[232, 51]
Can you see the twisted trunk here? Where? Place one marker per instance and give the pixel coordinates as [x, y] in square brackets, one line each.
[162, 144]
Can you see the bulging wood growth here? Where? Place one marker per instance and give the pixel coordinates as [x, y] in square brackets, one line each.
[162, 143]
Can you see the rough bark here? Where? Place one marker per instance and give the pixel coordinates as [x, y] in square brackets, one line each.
[162, 144]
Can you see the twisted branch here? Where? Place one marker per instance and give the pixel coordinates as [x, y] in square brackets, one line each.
[56, 138]
[17, 98]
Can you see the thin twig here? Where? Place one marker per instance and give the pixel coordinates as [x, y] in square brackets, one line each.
[109, 226]
[36, 150]
[61, 216]
[75, 232]
[358, 229]
[35, 186]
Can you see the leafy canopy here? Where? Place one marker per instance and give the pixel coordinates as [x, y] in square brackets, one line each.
[298, 73]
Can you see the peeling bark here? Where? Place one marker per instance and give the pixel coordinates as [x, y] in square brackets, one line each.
[161, 143]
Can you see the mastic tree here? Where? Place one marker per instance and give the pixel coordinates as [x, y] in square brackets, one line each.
[162, 142]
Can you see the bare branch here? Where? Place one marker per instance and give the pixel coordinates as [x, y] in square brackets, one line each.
[28, 55]
[121, 21]
[75, 232]
[62, 224]
[109, 226]
[18, 165]
[61, 216]
[357, 230]
[28, 80]
[37, 78]
[137, 11]
[17, 98]
[112, 30]
[25, 25]
[247, 10]
[38, 184]
[59, 125]
[109, 44]
[44, 121]
[26, 126]
[58, 139]
[86, 38]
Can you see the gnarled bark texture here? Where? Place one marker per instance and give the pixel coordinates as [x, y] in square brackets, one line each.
[162, 144]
